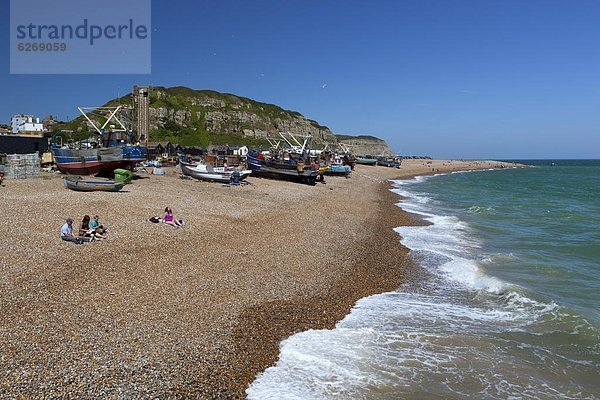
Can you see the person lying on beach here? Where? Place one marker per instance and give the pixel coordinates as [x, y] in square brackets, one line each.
[171, 220]
[66, 232]
[87, 231]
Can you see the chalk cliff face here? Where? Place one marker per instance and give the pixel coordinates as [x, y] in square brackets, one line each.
[202, 117]
[366, 145]
[207, 112]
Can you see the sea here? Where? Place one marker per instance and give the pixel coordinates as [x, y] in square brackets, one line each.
[506, 304]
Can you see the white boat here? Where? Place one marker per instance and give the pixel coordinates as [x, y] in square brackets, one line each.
[214, 174]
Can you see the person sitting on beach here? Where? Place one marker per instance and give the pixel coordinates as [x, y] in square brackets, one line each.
[171, 220]
[66, 232]
[86, 231]
[97, 226]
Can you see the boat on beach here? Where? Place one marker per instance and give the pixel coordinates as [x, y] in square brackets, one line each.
[208, 173]
[294, 169]
[91, 184]
[338, 168]
[367, 160]
[392, 162]
[114, 149]
[292, 163]
[98, 161]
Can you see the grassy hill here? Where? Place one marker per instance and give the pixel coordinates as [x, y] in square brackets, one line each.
[202, 117]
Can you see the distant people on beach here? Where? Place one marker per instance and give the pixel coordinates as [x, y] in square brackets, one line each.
[66, 232]
[171, 220]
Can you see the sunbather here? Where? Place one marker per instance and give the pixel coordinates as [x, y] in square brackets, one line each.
[171, 220]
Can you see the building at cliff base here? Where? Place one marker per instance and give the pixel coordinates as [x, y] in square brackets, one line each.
[26, 124]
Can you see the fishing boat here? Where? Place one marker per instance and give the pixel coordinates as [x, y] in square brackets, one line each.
[337, 167]
[208, 173]
[392, 162]
[291, 163]
[98, 161]
[293, 169]
[367, 160]
[86, 184]
[115, 149]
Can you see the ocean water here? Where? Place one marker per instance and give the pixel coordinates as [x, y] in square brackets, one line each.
[507, 305]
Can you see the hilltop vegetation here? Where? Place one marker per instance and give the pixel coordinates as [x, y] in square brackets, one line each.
[365, 137]
[202, 117]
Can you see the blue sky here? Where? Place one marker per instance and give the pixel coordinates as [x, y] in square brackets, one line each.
[450, 79]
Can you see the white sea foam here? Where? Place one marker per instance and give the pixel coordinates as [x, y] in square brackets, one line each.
[449, 242]
[498, 258]
[450, 237]
[481, 209]
[392, 345]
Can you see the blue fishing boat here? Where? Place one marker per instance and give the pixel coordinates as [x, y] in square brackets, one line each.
[100, 160]
[114, 149]
[337, 167]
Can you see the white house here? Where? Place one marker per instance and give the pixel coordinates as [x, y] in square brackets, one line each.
[26, 123]
[242, 151]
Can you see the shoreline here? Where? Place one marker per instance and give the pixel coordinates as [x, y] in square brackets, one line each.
[382, 265]
[197, 312]
[392, 266]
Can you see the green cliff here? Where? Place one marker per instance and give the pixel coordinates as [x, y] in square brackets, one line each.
[202, 117]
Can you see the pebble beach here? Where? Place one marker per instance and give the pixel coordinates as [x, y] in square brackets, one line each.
[195, 312]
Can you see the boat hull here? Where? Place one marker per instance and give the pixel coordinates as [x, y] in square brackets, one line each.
[365, 161]
[214, 176]
[339, 170]
[80, 184]
[261, 169]
[100, 161]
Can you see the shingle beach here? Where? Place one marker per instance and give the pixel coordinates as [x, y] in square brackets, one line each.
[159, 312]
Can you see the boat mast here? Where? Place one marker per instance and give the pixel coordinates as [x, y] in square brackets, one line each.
[294, 143]
[345, 148]
[275, 143]
[112, 115]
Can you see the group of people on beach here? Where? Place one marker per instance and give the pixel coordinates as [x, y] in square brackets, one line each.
[89, 230]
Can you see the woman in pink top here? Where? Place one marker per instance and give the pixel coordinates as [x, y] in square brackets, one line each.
[171, 220]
